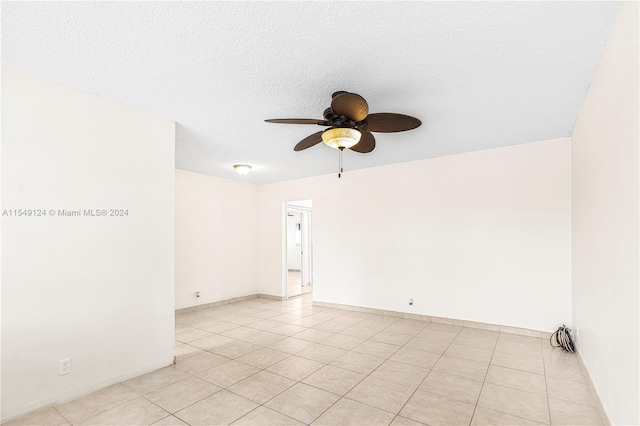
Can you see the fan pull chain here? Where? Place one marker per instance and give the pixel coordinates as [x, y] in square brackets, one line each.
[340, 161]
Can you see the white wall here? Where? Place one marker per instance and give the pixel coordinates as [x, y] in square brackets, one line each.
[605, 185]
[482, 236]
[216, 239]
[96, 289]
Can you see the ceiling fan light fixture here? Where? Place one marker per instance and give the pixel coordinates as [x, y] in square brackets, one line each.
[242, 169]
[341, 137]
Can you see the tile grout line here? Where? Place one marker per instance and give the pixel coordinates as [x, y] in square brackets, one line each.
[354, 386]
[425, 377]
[484, 381]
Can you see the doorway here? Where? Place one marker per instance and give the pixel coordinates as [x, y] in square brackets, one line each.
[299, 248]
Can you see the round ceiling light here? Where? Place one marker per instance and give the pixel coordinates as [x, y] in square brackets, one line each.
[341, 137]
[242, 169]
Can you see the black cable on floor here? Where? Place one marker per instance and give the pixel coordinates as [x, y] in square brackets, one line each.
[562, 338]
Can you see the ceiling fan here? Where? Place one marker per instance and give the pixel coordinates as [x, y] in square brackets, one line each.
[350, 125]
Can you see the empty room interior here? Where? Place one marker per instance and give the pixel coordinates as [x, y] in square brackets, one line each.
[327, 213]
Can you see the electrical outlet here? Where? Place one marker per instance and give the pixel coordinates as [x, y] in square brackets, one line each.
[64, 367]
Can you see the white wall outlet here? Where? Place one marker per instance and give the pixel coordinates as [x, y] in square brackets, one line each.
[64, 367]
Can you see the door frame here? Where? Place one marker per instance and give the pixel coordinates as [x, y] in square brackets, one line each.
[308, 212]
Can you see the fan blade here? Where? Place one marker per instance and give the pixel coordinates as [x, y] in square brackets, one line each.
[367, 143]
[297, 121]
[351, 106]
[309, 141]
[386, 122]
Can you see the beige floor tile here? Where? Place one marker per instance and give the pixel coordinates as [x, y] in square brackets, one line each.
[343, 342]
[567, 390]
[515, 402]
[265, 325]
[433, 334]
[522, 380]
[200, 362]
[452, 386]
[95, 403]
[410, 329]
[170, 421]
[378, 393]
[133, 413]
[461, 367]
[314, 335]
[360, 331]
[303, 402]
[444, 327]
[241, 320]
[403, 421]
[225, 375]
[568, 413]
[288, 329]
[401, 373]
[308, 321]
[352, 413]
[263, 416]
[295, 367]
[191, 335]
[436, 346]
[285, 318]
[392, 338]
[180, 328]
[184, 351]
[264, 338]
[571, 373]
[519, 349]
[477, 332]
[235, 349]
[181, 394]
[415, 357]
[334, 379]
[240, 332]
[486, 417]
[475, 341]
[155, 380]
[378, 349]
[558, 357]
[211, 342]
[263, 357]
[262, 386]
[434, 409]
[217, 326]
[360, 363]
[46, 417]
[531, 365]
[470, 353]
[322, 353]
[333, 326]
[291, 345]
[532, 342]
[221, 408]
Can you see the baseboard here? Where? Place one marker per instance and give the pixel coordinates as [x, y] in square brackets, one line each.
[594, 391]
[271, 297]
[428, 318]
[214, 304]
[68, 396]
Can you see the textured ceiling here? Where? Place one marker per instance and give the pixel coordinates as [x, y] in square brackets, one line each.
[479, 75]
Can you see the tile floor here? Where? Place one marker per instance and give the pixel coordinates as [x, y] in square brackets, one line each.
[262, 362]
[294, 284]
